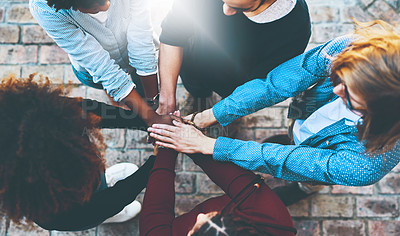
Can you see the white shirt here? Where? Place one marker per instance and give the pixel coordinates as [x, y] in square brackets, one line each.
[321, 118]
[101, 17]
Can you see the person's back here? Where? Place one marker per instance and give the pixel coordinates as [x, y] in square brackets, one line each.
[51, 166]
[45, 167]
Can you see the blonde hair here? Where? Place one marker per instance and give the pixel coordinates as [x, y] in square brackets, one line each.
[370, 66]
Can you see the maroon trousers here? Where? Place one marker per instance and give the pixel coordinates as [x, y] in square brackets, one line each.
[158, 214]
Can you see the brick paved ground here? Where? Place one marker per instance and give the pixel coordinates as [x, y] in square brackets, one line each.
[337, 210]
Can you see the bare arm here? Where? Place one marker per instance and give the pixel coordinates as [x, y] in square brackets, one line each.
[170, 62]
[203, 119]
[136, 103]
[150, 85]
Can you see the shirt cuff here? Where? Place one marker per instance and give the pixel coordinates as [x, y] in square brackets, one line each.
[222, 148]
[124, 91]
[220, 114]
[146, 73]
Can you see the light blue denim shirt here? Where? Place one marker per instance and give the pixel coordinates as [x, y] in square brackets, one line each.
[107, 52]
[334, 155]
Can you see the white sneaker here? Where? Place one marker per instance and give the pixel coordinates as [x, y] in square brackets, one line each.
[119, 172]
[129, 212]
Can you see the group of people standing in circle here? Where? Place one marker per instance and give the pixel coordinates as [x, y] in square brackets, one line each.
[345, 111]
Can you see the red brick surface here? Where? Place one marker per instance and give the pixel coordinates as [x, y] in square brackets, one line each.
[9, 34]
[34, 34]
[343, 227]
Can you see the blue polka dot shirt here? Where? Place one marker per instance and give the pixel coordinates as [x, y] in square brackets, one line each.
[334, 155]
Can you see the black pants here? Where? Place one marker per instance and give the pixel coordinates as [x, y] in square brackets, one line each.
[113, 117]
[86, 79]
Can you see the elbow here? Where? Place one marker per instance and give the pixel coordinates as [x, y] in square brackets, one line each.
[359, 178]
[364, 180]
[372, 180]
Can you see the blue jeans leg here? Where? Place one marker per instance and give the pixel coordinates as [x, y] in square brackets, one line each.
[86, 79]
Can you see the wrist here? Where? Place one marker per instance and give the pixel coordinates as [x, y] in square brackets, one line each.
[153, 102]
[167, 101]
[205, 118]
[207, 146]
[150, 118]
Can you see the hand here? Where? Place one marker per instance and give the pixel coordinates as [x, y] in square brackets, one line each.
[203, 119]
[158, 119]
[182, 138]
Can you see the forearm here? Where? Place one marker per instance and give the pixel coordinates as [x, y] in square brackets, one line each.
[301, 163]
[274, 159]
[170, 62]
[246, 99]
[112, 116]
[137, 104]
[150, 85]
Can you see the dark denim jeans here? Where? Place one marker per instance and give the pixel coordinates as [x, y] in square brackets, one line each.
[86, 79]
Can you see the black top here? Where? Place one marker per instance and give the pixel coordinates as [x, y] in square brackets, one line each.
[105, 202]
[226, 51]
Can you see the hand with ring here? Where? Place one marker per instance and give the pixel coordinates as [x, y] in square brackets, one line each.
[182, 137]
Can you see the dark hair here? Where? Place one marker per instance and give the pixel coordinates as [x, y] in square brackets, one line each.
[50, 158]
[74, 4]
[228, 225]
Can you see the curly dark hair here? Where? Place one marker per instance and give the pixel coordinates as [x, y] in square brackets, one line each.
[50, 151]
[74, 4]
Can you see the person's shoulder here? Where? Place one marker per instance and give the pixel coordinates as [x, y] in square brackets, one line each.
[38, 2]
[338, 44]
[40, 5]
[195, 6]
[300, 7]
[301, 3]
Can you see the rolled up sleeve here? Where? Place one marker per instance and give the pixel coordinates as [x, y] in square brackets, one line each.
[141, 49]
[84, 49]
